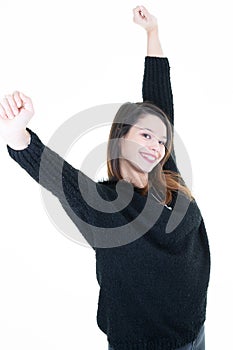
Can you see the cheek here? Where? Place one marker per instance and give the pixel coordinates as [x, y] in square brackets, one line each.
[163, 152]
[125, 149]
[130, 146]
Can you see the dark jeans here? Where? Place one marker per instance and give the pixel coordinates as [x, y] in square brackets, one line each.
[197, 344]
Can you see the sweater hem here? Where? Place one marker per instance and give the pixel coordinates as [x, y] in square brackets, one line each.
[156, 344]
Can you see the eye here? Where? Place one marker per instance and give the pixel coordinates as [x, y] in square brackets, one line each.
[146, 135]
[163, 142]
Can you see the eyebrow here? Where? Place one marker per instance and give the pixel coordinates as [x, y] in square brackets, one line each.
[164, 137]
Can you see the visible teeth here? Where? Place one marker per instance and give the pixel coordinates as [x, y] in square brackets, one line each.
[149, 157]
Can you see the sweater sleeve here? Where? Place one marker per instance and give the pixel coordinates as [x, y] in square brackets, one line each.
[59, 177]
[156, 88]
[157, 84]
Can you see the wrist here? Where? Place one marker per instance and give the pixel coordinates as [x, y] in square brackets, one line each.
[19, 141]
[154, 47]
[153, 32]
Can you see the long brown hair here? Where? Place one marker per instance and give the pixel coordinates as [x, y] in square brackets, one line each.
[128, 115]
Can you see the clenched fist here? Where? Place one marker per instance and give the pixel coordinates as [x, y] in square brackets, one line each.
[16, 111]
[146, 20]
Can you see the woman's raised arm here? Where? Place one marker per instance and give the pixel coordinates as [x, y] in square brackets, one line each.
[44, 165]
[156, 85]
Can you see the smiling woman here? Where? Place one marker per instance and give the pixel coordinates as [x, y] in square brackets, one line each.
[152, 264]
[140, 157]
[139, 142]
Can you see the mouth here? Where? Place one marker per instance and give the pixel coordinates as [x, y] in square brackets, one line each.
[149, 157]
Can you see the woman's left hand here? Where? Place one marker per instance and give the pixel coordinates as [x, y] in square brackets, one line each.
[143, 18]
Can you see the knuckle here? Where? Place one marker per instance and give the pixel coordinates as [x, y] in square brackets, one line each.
[4, 103]
[16, 94]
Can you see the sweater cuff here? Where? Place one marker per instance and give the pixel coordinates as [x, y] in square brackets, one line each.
[29, 158]
[34, 144]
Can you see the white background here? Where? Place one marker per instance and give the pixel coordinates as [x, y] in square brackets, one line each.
[69, 56]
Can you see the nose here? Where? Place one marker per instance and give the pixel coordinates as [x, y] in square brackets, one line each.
[154, 144]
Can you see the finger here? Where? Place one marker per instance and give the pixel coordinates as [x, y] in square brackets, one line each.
[17, 98]
[2, 112]
[137, 9]
[142, 8]
[26, 102]
[138, 13]
[142, 14]
[143, 11]
[12, 104]
[24, 98]
[7, 108]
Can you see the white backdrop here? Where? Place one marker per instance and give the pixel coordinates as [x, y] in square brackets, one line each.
[69, 56]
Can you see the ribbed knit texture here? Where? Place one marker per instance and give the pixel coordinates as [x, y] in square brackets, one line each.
[157, 84]
[156, 88]
[153, 290]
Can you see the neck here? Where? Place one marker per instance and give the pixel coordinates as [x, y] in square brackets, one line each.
[129, 174]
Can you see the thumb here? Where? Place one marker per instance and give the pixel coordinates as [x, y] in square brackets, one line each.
[23, 97]
[144, 10]
[26, 101]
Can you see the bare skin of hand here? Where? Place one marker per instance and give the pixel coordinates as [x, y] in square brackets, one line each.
[145, 19]
[16, 111]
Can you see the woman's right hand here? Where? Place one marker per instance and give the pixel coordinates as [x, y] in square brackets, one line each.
[145, 19]
[16, 111]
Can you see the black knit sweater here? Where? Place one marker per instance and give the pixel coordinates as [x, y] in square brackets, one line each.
[153, 288]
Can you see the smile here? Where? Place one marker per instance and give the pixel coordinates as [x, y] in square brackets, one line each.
[148, 157]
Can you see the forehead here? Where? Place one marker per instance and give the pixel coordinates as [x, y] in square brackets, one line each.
[152, 122]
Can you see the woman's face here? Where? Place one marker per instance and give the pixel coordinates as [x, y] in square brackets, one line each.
[143, 147]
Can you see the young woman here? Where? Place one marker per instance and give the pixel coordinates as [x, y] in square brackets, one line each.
[152, 255]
